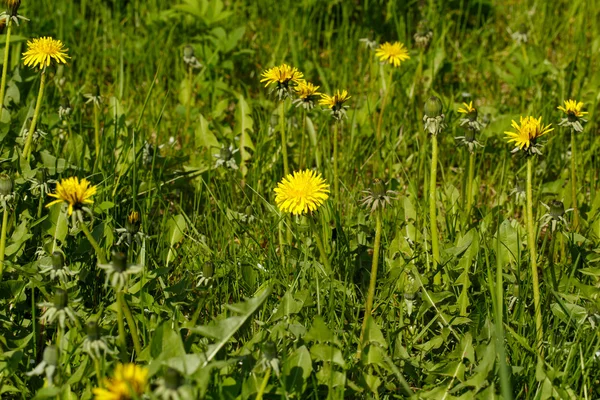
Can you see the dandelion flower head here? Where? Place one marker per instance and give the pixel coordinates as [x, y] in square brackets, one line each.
[42, 52]
[392, 53]
[527, 131]
[74, 192]
[572, 108]
[129, 382]
[302, 192]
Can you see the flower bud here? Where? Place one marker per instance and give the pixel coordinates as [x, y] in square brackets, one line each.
[64, 102]
[61, 299]
[472, 115]
[58, 260]
[93, 331]
[6, 185]
[51, 355]
[96, 90]
[378, 187]
[13, 7]
[557, 209]
[433, 107]
[269, 350]
[208, 269]
[119, 261]
[133, 222]
[188, 52]
[469, 135]
[173, 379]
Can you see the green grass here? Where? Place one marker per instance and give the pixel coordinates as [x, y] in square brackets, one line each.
[224, 297]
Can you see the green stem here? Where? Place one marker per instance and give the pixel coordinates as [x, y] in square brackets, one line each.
[5, 65]
[574, 182]
[90, 238]
[98, 371]
[286, 169]
[97, 133]
[303, 142]
[121, 325]
[372, 281]
[189, 100]
[470, 182]
[36, 113]
[263, 385]
[383, 104]
[531, 243]
[3, 237]
[320, 246]
[336, 183]
[437, 280]
[131, 323]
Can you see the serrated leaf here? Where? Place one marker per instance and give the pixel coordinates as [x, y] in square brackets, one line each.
[297, 369]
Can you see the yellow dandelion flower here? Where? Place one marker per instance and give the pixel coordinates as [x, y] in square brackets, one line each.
[527, 131]
[573, 108]
[41, 52]
[129, 381]
[302, 192]
[392, 53]
[468, 108]
[281, 75]
[133, 217]
[336, 101]
[306, 90]
[73, 192]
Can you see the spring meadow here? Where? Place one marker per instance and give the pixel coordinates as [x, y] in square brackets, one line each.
[276, 199]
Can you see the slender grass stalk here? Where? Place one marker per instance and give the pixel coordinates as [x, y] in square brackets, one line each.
[574, 182]
[36, 113]
[437, 280]
[95, 245]
[121, 326]
[372, 281]
[531, 242]
[286, 168]
[5, 65]
[3, 237]
[131, 322]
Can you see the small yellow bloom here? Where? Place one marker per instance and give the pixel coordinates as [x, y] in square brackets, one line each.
[468, 108]
[528, 130]
[572, 108]
[392, 53]
[306, 90]
[129, 380]
[133, 217]
[301, 192]
[336, 101]
[41, 52]
[282, 75]
[73, 192]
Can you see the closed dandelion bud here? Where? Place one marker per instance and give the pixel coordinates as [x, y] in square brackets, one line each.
[58, 260]
[188, 52]
[51, 355]
[378, 187]
[225, 153]
[173, 379]
[119, 261]
[270, 350]
[433, 107]
[472, 115]
[64, 102]
[6, 185]
[523, 29]
[133, 222]
[61, 299]
[557, 209]
[93, 331]
[13, 7]
[96, 90]
[208, 269]
[469, 135]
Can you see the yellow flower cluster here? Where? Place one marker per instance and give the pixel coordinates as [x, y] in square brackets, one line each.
[129, 382]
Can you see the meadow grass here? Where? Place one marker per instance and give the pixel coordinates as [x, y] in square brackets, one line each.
[213, 291]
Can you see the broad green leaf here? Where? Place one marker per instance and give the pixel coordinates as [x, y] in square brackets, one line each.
[327, 353]
[297, 368]
[177, 228]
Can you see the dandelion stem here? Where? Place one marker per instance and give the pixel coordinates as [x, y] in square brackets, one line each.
[90, 238]
[320, 246]
[121, 326]
[286, 169]
[336, 183]
[303, 141]
[131, 323]
[372, 281]
[97, 133]
[437, 280]
[189, 100]
[470, 185]
[5, 65]
[388, 89]
[3, 237]
[98, 371]
[531, 242]
[574, 182]
[36, 113]
[263, 385]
